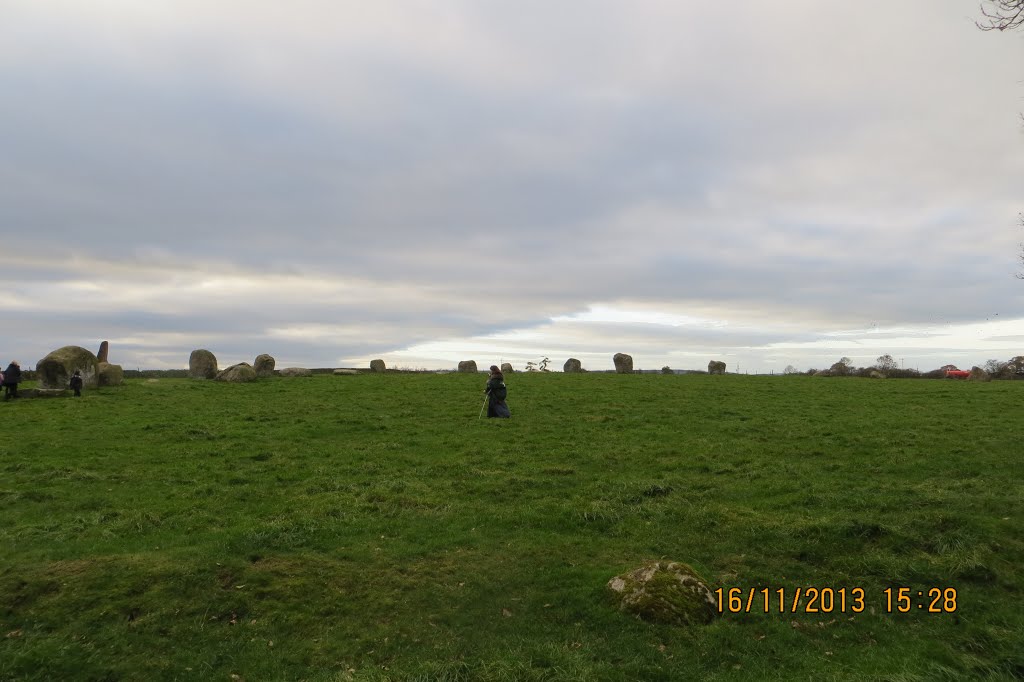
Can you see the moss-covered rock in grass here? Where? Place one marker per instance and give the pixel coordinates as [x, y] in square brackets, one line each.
[296, 372]
[467, 366]
[55, 369]
[572, 365]
[377, 366]
[716, 367]
[506, 368]
[239, 373]
[665, 592]
[109, 375]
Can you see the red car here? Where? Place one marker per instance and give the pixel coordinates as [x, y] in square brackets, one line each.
[957, 374]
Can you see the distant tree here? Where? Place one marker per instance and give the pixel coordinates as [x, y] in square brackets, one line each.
[841, 368]
[542, 366]
[667, 370]
[1001, 15]
[994, 366]
[886, 363]
[790, 369]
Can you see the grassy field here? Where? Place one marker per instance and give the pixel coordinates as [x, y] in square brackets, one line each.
[372, 528]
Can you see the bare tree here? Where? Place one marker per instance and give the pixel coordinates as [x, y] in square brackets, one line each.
[1001, 15]
[886, 363]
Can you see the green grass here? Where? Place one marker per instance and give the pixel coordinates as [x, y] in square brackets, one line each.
[372, 528]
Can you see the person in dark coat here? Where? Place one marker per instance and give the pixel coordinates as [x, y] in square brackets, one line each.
[496, 393]
[76, 382]
[12, 377]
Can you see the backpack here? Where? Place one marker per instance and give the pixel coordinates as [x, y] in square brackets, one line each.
[499, 392]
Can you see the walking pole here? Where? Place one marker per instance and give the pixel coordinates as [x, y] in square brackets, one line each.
[483, 406]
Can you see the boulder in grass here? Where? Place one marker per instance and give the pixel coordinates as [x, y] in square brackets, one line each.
[666, 592]
[572, 365]
[263, 365]
[56, 369]
[506, 368]
[109, 375]
[202, 364]
[377, 366]
[296, 372]
[237, 374]
[467, 366]
[716, 367]
[623, 363]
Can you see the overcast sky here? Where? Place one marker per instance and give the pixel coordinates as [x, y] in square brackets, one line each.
[426, 181]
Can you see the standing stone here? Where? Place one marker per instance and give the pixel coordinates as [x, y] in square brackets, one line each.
[101, 356]
[716, 367]
[623, 363]
[239, 373]
[56, 368]
[263, 365]
[506, 368]
[467, 366]
[572, 365]
[377, 366]
[202, 364]
[109, 375]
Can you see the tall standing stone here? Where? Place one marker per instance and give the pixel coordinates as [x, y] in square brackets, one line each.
[623, 363]
[101, 356]
[572, 365]
[716, 367]
[506, 368]
[202, 364]
[467, 366]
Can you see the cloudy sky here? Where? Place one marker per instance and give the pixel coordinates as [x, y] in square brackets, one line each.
[425, 181]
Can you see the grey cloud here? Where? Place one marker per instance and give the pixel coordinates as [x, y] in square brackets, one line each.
[519, 164]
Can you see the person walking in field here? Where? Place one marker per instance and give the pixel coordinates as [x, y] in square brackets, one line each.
[496, 393]
[76, 383]
[12, 377]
